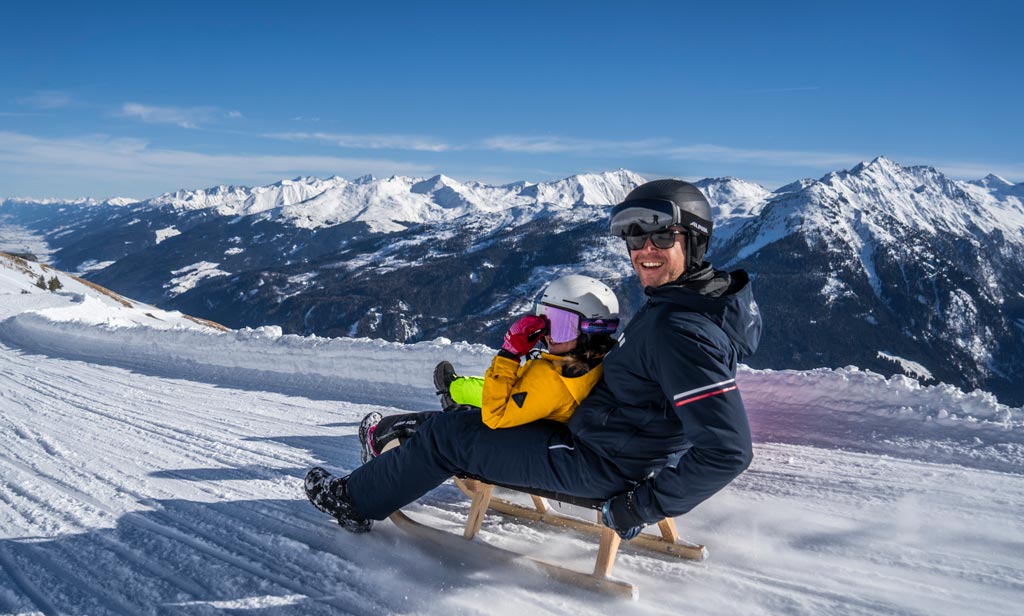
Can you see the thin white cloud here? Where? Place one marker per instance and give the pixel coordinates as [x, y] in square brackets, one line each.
[47, 99]
[555, 145]
[659, 147]
[115, 163]
[185, 117]
[368, 142]
[667, 149]
[777, 158]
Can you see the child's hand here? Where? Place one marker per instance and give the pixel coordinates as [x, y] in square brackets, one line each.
[524, 334]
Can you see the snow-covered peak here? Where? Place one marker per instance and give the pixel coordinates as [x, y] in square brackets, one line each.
[43, 201]
[885, 173]
[733, 202]
[393, 203]
[879, 164]
[993, 181]
[206, 198]
[445, 191]
[794, 187]
[242, 200]
[81, 201]
[861, 206]
[120, 201]
[434, 183]
[379, 203]
[605, 188]
[731, 197]
[1000, 188]
[916, 196]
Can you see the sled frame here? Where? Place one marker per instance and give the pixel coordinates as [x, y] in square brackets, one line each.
[668, 543]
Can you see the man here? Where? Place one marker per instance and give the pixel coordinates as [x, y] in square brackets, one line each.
[662, 431]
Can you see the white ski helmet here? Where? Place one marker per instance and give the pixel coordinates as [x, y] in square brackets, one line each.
[586, 296]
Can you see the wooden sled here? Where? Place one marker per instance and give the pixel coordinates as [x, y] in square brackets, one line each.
[481, 495]
[668, 543]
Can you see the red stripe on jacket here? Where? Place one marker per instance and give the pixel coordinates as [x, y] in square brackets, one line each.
[707, 395]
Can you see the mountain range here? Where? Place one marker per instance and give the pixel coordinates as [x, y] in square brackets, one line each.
[896, 269]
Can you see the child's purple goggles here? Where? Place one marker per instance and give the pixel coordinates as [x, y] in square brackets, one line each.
[567, 325]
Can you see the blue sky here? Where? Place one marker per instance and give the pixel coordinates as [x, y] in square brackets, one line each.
[134, 99]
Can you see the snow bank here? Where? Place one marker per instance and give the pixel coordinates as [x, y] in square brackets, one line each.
[863, 411]
[92, 324]
[854, 391]
[89, 330]
[250, 357]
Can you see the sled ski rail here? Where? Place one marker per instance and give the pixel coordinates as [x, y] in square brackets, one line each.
[589, 581]
[668, 543]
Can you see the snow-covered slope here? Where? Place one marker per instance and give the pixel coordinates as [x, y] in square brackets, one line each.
[57, 296]
[156, 470]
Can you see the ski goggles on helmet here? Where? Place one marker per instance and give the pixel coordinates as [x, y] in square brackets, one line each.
[650, 215]
[565, 325]
[645, 215]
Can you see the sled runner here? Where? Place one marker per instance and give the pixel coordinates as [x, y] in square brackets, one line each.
[481, 495]
[563, 574]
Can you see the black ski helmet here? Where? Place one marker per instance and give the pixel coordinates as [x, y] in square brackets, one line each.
[661, 204]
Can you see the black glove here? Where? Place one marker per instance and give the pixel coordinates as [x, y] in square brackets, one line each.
[619, 514]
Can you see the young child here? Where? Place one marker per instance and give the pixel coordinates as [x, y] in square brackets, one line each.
[575, 315]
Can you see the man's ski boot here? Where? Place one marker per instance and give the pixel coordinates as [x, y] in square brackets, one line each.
[330, 495]
[444, 374]
[366, 429]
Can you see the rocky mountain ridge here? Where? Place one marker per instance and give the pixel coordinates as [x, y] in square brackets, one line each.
[856, 267]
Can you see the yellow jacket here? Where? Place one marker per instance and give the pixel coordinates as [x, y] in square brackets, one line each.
[515, 395]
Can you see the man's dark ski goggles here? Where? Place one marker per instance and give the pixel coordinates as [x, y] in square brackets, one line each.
[645, 215]
[660, 239]
[653, 215]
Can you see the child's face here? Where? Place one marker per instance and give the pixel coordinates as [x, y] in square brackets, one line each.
[559, 348]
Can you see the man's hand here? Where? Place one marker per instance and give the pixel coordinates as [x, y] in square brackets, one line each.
[618, 514]
[524, 334]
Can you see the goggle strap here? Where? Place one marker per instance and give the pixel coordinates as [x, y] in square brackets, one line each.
[599, 326]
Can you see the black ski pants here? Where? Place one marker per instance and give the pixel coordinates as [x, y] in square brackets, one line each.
[539, 455]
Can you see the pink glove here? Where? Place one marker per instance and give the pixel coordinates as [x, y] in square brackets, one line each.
[524, 334]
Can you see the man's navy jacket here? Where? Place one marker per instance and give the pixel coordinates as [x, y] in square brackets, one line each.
[669, 388]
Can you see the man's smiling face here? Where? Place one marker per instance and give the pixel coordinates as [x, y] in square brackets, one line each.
[657, 266]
